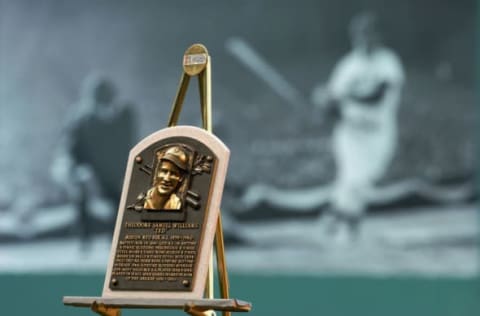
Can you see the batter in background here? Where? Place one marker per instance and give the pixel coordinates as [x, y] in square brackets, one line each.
[363, 93]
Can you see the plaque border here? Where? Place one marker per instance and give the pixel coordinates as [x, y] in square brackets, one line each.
[210, 221]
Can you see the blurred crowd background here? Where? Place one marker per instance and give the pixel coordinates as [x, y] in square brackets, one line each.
[49, 49]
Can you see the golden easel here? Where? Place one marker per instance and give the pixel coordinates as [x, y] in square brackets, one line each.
[196, 62]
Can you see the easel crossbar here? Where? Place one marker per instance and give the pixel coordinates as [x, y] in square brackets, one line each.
[232, 305]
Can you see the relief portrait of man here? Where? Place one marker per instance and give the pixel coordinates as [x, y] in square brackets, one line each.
[171, 172]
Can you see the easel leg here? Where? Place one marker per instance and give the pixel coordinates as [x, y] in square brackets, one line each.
[178, 102]
[221, 262]
[209, 291]
[105, 310]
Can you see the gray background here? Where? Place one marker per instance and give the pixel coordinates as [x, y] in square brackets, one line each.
[47, 48]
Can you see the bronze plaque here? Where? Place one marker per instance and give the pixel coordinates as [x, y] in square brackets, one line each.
[164, 210]
[161, 227]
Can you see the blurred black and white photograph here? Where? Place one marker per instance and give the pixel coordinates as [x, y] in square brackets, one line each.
[350, 124]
